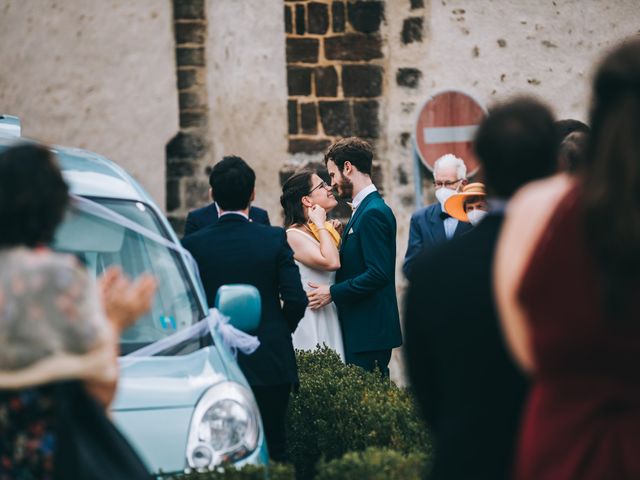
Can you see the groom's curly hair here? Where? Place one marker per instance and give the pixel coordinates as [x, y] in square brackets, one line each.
[354, 150]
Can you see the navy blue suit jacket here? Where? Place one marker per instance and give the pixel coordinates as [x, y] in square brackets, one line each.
[365, 288]
[426, 230]
[197, 219]
[235, 250]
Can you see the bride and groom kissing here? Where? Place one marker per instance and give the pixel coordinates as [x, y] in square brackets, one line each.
[348, 273]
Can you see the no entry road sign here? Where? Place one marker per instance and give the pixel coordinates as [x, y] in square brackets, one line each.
[447, 123]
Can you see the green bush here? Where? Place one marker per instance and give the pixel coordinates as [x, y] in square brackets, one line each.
[342, 408]
[275, 471]
[374, 464]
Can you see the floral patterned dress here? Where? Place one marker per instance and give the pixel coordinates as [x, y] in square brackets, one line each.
[48, 305]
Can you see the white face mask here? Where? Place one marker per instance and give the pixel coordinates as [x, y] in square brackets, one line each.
[475, 216]
[443, 194]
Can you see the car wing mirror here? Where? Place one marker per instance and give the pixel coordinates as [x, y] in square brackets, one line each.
[242, 304]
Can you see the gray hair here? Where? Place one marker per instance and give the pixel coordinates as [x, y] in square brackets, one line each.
[450, 160]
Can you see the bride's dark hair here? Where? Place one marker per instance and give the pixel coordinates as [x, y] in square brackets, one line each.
[296, 187]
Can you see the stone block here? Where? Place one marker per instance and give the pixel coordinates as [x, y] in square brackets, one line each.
[189, 10]
[415, 4]
[188, 100]
[353, 46]
[191, 32]
[365, 16]
[185, 146]
[408, 77]
[336, 118]
[326, 79]
[177, 223]
[292, 115]
[302, 50]
[317, 18]
[299, 80]
[193, 56]
[365, 116]
[300, 19]
[308, 145]
[196, 193]
[362, 80]
[309, 118]
[187, 78]
[173, 194]
[180, 168]
[337, 16]
[288, 25]
[194, 118]
[412, 28]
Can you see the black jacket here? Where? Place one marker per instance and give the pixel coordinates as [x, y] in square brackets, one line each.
[469, 391]
[234, 250]
[197, 219]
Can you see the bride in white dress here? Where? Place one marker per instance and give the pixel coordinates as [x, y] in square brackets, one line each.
[306, 199]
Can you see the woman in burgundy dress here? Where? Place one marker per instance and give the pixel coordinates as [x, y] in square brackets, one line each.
[568, 288]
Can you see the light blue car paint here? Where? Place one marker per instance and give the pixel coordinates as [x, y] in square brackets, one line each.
[156, 396]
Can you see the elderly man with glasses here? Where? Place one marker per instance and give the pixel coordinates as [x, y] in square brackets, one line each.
[431, 225]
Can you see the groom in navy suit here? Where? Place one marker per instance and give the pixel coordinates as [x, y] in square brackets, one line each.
[365, 288]
[236, 250]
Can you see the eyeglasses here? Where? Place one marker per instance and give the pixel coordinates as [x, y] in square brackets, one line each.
[445, 183]
[322, 184]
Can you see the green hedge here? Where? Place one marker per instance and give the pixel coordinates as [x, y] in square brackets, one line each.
[341, 408]
[374, 464]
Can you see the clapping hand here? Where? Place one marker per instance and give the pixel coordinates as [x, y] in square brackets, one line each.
[125, 301]
[319, 297]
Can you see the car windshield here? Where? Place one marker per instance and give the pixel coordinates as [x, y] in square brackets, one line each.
[100, 243]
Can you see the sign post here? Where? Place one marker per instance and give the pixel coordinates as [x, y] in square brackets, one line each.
[446, 123]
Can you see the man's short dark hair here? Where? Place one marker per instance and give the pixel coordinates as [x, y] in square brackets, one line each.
[33, 196]
[569, 125]
[354, 150]
[232, 183]
[516, 143]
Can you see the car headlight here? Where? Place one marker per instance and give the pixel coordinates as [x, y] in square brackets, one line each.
[225, 426]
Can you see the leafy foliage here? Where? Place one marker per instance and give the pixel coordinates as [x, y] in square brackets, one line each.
[341, 408]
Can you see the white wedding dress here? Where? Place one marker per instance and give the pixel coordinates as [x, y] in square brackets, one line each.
[321, 326]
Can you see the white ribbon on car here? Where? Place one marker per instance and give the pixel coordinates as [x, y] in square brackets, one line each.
[232, 338]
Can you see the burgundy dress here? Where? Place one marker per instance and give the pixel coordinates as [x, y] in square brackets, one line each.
[583, 415]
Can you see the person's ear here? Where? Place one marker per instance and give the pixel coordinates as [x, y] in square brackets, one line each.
[464, 182]
[210, 194]
[347, 168]
[306, 202]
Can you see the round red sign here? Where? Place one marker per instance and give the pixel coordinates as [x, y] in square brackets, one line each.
[447, 123]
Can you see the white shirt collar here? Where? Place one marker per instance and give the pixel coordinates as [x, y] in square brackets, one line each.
[221, 213]
[233, 212]
[362, 194]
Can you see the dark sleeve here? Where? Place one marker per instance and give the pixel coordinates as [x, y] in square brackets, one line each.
[190, 225]
[376, 235]
[414, 247]
[293, 296]
[421, 309]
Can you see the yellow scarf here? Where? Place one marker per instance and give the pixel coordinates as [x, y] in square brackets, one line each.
[332, 231]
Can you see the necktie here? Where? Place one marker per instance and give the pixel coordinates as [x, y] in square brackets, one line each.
[444, 215]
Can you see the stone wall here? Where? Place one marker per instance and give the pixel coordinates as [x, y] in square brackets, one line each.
[335, 76]
[188, 154]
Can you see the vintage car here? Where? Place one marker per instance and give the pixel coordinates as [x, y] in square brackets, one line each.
[182, 400]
